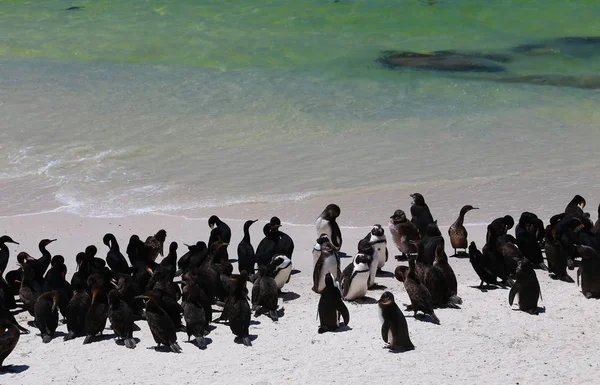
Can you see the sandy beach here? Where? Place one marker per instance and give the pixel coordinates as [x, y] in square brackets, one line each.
[486, 341]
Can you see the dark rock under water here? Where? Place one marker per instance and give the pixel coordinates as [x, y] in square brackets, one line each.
[445, 61]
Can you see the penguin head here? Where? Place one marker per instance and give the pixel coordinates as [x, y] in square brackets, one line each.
[387, 298]
[418, 199]
[509, 222]
[332, 211]
[377, 230]
[398, 217]
[213, 221]
[365, 247]
[579, 201]
[275, 221]
[400, 273]
[329, 280]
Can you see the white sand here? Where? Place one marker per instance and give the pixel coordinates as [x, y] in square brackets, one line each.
[485, 342]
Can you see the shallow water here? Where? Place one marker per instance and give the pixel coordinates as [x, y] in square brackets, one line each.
[175, 107]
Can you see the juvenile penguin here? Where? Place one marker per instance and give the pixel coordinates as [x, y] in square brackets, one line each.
[458, 233]
[376, 238]
[265, 293]
[394, 329]
[355, 277]
[215, 221]
[527, 287]
[9, 336]
[403, 232]
[282, 268]
[421, 216]
[245, 251]
[121, 318]
[589, 271]
[328, 262]
[46, 314]
[331, 307]
[326, 224]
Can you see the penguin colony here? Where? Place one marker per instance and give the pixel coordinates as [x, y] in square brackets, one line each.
[185, 293]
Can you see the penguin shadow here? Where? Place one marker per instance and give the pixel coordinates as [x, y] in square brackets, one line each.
[425, 318]
[364, 301]
[378, 287]
[57, 334]
[289, 296]
[342, 328]
[486, 288]
[99, 338]
[206, 339]
[460, 256]
[539, 310]
[341, 254]
[233, 260]
[161, 349]
[254, 322]
[14, 369]
[32, 323]
[251, 337]
[122, 342]
[384, 274]
[295, 271]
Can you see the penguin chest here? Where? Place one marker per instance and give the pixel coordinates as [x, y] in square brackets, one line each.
[380, 254]
[329, 266]
[358, 285]
[390, 337]
[283, 276]
[323, 227]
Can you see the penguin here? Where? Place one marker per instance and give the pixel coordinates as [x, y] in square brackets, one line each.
[458, 233]
[316, 251]
[215, 221]
[267, 247]
[394, 329]
[403, 231]
[482, 266]
[239, 311]
[527, 287]
[282, 267]
[160, 324]
[576, 206]
[121, 318]
[355, 277]
[285, 245]
[245, 250]
[421, 216]
[589, 271]
[331, 307]
[265, 293]
[419, 295]
[194, 314]
[378, 242]
[556, 257]
[9, 337]
[326, 224]
[77, 309]
[328, 262]
[46, 314]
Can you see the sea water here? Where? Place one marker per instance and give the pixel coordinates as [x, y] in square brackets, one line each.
[187, 107]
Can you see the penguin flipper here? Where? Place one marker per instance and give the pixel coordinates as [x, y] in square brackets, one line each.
[317, 273]
[578, 274]
[385, 329]
[344, 312]
[513, 291]
[336, 234]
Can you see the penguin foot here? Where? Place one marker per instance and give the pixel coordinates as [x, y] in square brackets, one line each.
[200, 342]
[273, 315]
[88, 339]
[246, 341]
[70, 336]
[46, 338]
[175, 348]
[130, 343]
[323, 329]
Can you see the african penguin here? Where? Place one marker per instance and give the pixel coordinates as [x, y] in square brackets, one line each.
[331, 307]
[355, 277]
[527, 287]
[376, 238]
[326, 224]
[394, 329]
[328, 261]
[282, 267]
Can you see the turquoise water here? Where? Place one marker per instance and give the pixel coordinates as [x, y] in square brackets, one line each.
[150, 106]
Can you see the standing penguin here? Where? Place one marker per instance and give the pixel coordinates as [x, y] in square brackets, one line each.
[46, 314]
[458, 233]
[376, 238]
[394, 329]
[282, 267]
[355, 277]
[328, 262]
[245, 251]
[285, 245]
[225, 230]
[326, 224]
[421, 216]
[9, 336]
[403, 232]
[331, 307]
[589, 272]
[527, 287]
